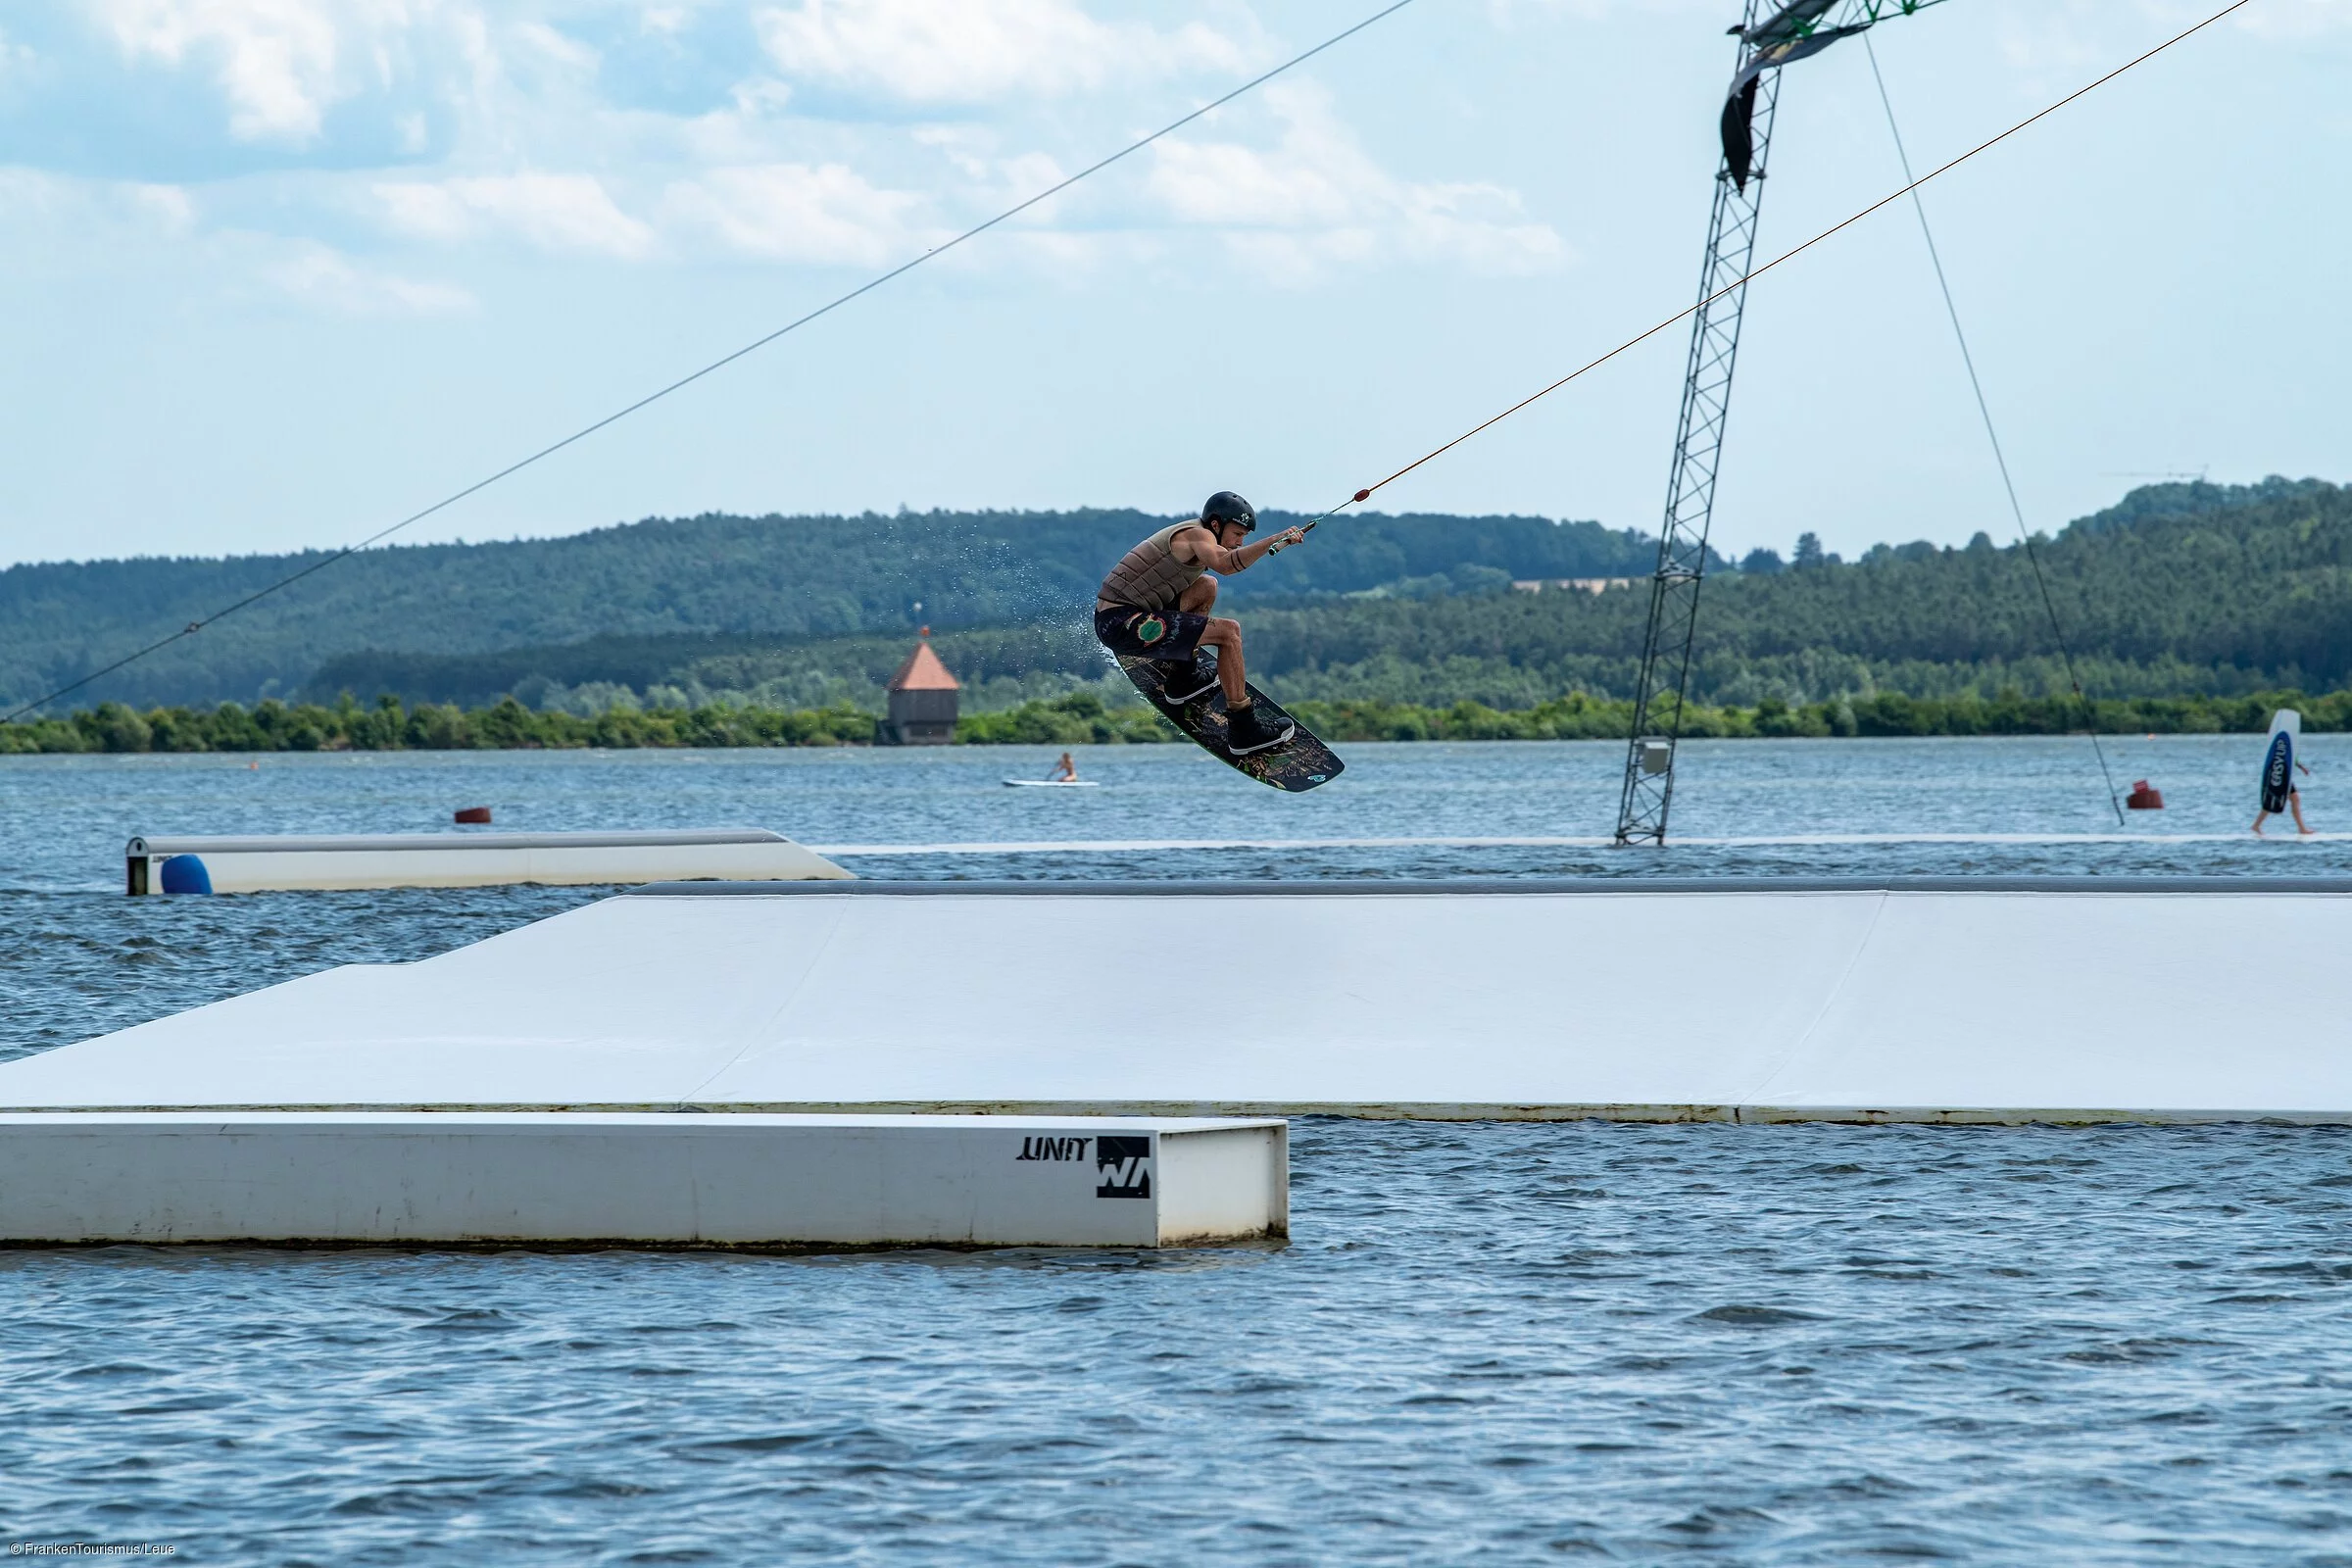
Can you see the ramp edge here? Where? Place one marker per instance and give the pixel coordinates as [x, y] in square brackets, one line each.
[1342, 1111]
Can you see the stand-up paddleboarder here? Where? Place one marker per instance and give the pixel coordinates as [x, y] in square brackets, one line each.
[1154, 604]
[2280, 766]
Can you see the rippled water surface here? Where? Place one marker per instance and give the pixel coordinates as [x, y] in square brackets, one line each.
[1484, 1343]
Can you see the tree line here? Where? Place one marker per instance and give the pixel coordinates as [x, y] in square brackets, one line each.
[1083, 719]
[2181, 590]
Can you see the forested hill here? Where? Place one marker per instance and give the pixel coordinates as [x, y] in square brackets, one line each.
[2179, 590]
[768, 579]
[2182, 589]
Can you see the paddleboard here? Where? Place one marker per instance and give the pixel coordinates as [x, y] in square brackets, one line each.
[2279, 762]
[1053, 784]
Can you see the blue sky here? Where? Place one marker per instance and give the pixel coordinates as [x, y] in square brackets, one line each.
[279, 272]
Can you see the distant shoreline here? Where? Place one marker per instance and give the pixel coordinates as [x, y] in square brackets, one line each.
[1084, 719]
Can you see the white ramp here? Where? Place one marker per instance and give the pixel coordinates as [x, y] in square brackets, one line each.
[2065, 999]
[383, 1178]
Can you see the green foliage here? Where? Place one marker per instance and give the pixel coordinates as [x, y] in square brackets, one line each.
[852, 667]
[2252, 592]
[2183, 590]
[1080, 719]
[392, 726]
[1580, 716]
[731, 582]
[2180, 591]
[1083, 719]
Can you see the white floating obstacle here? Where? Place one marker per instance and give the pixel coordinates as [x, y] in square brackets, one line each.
[321, 862]
[671, 1180]
[2066, 999]
[994, 847]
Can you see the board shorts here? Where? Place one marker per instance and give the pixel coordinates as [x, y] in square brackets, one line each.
[1132, 633]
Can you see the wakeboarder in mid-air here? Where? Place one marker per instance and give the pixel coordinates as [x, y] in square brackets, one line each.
[1155, 606]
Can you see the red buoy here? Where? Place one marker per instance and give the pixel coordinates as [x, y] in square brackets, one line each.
[2142, 797]
[475, 813]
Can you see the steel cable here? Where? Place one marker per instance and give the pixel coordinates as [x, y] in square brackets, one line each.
[1367, 492]
[2090, 717]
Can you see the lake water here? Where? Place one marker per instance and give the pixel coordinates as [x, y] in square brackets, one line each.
[1483, 1343]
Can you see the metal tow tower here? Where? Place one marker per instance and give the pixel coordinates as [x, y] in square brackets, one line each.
[1772, 33]
[1691, 486]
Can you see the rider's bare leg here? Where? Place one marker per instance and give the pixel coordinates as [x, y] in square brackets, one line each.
[1201, 597]
[2295, 802]
[1225, 636]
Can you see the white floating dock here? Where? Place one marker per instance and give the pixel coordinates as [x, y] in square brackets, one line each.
[2062, 999]
[321, 862]
[349, 1178]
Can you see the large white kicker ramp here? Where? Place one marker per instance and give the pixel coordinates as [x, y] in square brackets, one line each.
[2056, 1000]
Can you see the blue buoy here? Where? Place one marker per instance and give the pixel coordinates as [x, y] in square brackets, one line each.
[185, 873]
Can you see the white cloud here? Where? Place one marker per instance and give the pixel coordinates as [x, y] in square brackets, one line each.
[494, 95]
[2056, 47]
[564, 213]
[167, 210]
[937, 52]
[276, 60]
[320, 276]
[2268, 19]
[558, 48]
[796, 212]
[86, 227]
[14, 57]
[106, 213]
[2296, 18]
[1317, 197]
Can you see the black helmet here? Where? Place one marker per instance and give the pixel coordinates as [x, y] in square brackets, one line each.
[1225, 506]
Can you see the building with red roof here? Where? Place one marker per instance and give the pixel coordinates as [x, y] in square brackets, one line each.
[922, 701]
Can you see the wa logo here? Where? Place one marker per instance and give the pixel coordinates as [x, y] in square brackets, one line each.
[1125, 1166]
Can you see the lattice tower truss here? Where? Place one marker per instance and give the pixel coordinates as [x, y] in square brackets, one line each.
[1665, 676]
[1770, 34]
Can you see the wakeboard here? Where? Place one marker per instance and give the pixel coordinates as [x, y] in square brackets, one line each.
[1297, 764]
[2278, 760]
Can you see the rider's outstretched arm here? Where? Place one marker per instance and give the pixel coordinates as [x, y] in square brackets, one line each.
[1201, 549]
